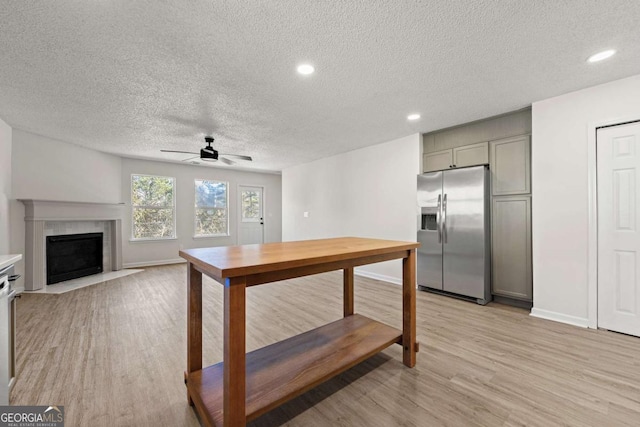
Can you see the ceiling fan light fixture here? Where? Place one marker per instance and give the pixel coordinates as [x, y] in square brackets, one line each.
[210, 154]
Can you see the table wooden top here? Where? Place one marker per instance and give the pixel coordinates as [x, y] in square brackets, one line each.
[235, 261]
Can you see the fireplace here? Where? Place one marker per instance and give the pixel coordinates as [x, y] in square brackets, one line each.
[44, 218]
[71, 256]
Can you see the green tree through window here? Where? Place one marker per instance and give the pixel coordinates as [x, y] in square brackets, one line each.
[211, 208]
[250, 205]
[153, 205]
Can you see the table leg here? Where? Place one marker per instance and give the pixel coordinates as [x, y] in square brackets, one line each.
[348, 291]
[234, 394]
[409, 309]
[194, 322]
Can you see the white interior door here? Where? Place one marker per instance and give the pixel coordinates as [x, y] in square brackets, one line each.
[251, 216]
[618, 236]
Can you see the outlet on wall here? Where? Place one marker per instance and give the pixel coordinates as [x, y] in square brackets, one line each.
[306, 214]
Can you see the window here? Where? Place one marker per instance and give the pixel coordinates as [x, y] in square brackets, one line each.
[250, 208]
[212, 217]
[153, 207]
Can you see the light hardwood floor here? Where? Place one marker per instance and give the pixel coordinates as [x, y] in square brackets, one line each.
[114, 355]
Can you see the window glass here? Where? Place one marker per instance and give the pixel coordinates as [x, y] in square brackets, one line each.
[212, 217]
[153, 207]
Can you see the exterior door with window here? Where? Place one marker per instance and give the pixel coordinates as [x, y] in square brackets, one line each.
[618, 150]
[251, 216]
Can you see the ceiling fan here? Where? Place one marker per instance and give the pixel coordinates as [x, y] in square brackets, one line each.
[209, 154]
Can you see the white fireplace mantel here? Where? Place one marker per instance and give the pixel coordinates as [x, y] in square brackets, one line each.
[52, 210]
[38, 212]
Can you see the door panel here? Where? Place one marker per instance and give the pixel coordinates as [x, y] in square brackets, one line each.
[470, 155]
[251, 215]
[511, 247]
[618, 236]
[511, 166]
[464, 232]
[437, 160]
[429, 254]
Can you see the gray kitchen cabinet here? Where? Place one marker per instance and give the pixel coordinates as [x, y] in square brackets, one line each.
[511, 247]
[437, 161]
[508, 153]
[511, 166]
[469, 155]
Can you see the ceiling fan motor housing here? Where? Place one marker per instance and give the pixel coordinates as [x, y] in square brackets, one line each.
[209, 154]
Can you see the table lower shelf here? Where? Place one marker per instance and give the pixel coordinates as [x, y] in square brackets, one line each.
[286, 369]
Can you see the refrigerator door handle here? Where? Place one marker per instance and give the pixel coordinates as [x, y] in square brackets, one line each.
[439, 218]
[444, 218]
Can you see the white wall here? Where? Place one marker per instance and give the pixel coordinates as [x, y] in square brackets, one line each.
[5, 185]
[370, 192]
[162, 251]
[560, 193]
[49, 169]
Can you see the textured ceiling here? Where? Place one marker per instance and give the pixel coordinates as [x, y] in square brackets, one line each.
[132, 77]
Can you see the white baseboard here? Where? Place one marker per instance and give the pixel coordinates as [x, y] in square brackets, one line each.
[559, 317]
[152, 263]
[377, 276]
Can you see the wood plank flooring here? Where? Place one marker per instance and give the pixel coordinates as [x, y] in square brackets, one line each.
[114, 354]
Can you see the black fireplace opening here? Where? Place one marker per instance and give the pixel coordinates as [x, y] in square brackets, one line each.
[71, 256]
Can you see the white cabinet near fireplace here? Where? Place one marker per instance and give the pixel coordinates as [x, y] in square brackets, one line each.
[7, 327]
[45, 218]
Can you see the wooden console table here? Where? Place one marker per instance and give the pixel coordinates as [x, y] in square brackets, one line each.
[244, 386]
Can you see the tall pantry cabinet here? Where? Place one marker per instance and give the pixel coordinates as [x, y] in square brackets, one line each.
[504, 142]
[511, 218]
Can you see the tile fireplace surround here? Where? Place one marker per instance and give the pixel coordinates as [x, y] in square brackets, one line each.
[48, 218]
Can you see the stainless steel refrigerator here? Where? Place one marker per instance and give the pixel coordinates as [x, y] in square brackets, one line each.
[455, 252]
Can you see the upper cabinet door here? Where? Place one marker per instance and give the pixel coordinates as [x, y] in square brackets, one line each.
[511, 166]
[437, 161]
[471, 155]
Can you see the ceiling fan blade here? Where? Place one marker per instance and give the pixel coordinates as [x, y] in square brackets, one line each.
[191, 158]
[181, 152]
[227, 161]
[239, 156]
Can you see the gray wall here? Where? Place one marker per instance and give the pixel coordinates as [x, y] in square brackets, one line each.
[5, 186]
[561, 201]
[165, 251]
[370, 192]
[503, 126]
[60, 171]
[68, 172]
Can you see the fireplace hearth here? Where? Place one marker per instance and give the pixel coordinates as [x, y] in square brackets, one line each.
[72, 256]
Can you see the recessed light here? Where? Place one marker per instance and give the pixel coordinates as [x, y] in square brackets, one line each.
[413, 117]
[600, 56]
[306, 69]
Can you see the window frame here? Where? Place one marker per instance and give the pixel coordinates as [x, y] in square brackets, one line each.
[132, 238]
[195, 210]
